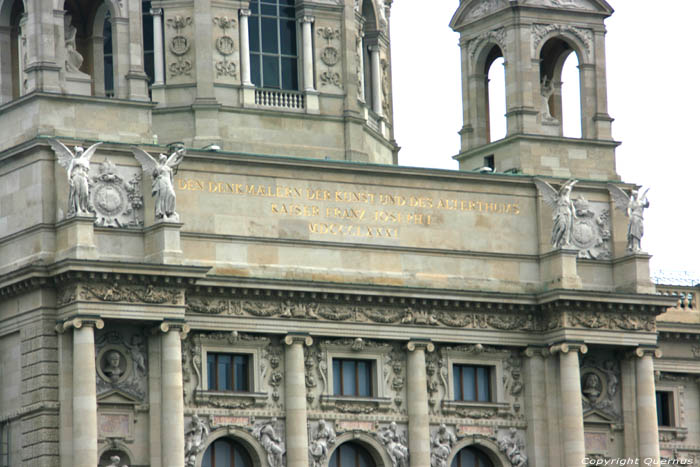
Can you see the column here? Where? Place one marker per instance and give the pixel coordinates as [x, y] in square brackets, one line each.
[157, 14]
[647, 426]
[573, 442]
[172, 407]
[417, 400]
[84, 392]
[376, 80]
[295, 400]
[536, 406]
[306, 22]
[245, 47]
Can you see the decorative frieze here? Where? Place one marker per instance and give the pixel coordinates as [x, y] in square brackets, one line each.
[179, 46]
[540, 31]
[225, 46]
[497, 36]
[330, 55]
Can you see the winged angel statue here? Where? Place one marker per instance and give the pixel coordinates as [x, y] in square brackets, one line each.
[161, 171]
[563, 213]
[634, 206]
[78, 167]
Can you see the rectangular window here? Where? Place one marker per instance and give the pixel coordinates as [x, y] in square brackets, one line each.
[352, 377]
[664, 408]
[273, 44]
[228, 372]
[472, 383]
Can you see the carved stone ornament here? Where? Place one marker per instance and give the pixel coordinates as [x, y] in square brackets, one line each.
[513, 448]
[573, 4]
[271, 441]
[117, 203]
[179, 45]
[131, 294]
[485, 7]
[540, 31]
[497, 35]
[600, 381]
[633, 205]
[225, 45]
[441, 444]
[395, 444]
[321, 439]
[621, 321]
[121, 364]
[162, 172]
[196, 434]
[330, 56]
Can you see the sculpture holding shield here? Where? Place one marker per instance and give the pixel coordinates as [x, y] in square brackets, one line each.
[162, 189]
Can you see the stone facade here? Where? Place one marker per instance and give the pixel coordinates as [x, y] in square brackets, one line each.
[253, 239]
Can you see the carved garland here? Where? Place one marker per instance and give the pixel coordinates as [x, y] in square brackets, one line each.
[540, 31]
[226, 46]
[179, 45]
[330, 56]
[497, 35]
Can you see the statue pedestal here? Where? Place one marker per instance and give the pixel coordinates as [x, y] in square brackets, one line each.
[558, 270]
[631, 274]
[163, 243]
[78, 83]
[75, 238]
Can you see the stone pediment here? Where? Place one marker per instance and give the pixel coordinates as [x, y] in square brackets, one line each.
[117, 397]
[471, 10]
[595, 416]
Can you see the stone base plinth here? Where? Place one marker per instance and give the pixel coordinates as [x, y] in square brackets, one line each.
[631, 274]
[80, 84]
[558, 270]
[162, 243]
[75, 238]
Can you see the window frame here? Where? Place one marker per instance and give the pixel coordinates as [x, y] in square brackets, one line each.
[248, 372]
[492, 360]
[372, 376]
[233, 443]
[489, 378]
[259, 54]
[254, 358]
[674, 412]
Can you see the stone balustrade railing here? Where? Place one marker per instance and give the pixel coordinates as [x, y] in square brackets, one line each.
[280, 99]
[687, 296]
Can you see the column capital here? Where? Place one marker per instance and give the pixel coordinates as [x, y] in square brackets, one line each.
[77, 323]
[306, 19]
[179, 326]
[374, 48]
[303, 339]
[156, 11]
[641, 352]
[419, 344]
[244, 12]
[536, 351]
[566, 347]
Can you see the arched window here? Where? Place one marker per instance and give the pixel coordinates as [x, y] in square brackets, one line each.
[561, 103]
[351, 455]
[471, 457]
[225, 452]
[370, 38]
[107, 55]
[496, 105]
[148, 48]
[273, 44]
[12, 51]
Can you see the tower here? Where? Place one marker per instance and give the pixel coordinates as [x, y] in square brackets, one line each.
[535, 37]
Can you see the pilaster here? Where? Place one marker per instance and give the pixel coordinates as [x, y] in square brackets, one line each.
[75, 238]
[536, 406]
[295, 400]
[162, 243]
[417, 401]
[558, 269]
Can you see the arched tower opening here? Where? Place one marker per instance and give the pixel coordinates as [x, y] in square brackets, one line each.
[226, 452]
[12, 50]
[561, 99]
[495, 95]
[369, 41]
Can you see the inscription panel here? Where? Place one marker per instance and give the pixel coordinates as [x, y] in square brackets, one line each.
[356, 213]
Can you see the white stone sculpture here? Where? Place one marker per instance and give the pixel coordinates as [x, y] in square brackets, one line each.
[137, 355]
[395, 445]
[546, 90]
[194, 439]
[114, 462]
[634, 206]
[511, 447]
[441, 446]
[78, 167]
[321, 439]
[563, 214]
[271, 443]
[73, 58]
[162, 174]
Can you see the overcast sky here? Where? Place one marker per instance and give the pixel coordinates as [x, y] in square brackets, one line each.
[653, 95]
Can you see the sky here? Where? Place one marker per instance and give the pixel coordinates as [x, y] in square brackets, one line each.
[653, 75]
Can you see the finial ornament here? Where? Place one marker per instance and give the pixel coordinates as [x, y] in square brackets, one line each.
[78, 167]
[563, 211]
[162, 189]
[634, 206]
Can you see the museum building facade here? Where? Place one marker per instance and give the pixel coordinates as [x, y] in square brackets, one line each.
[234, 271]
